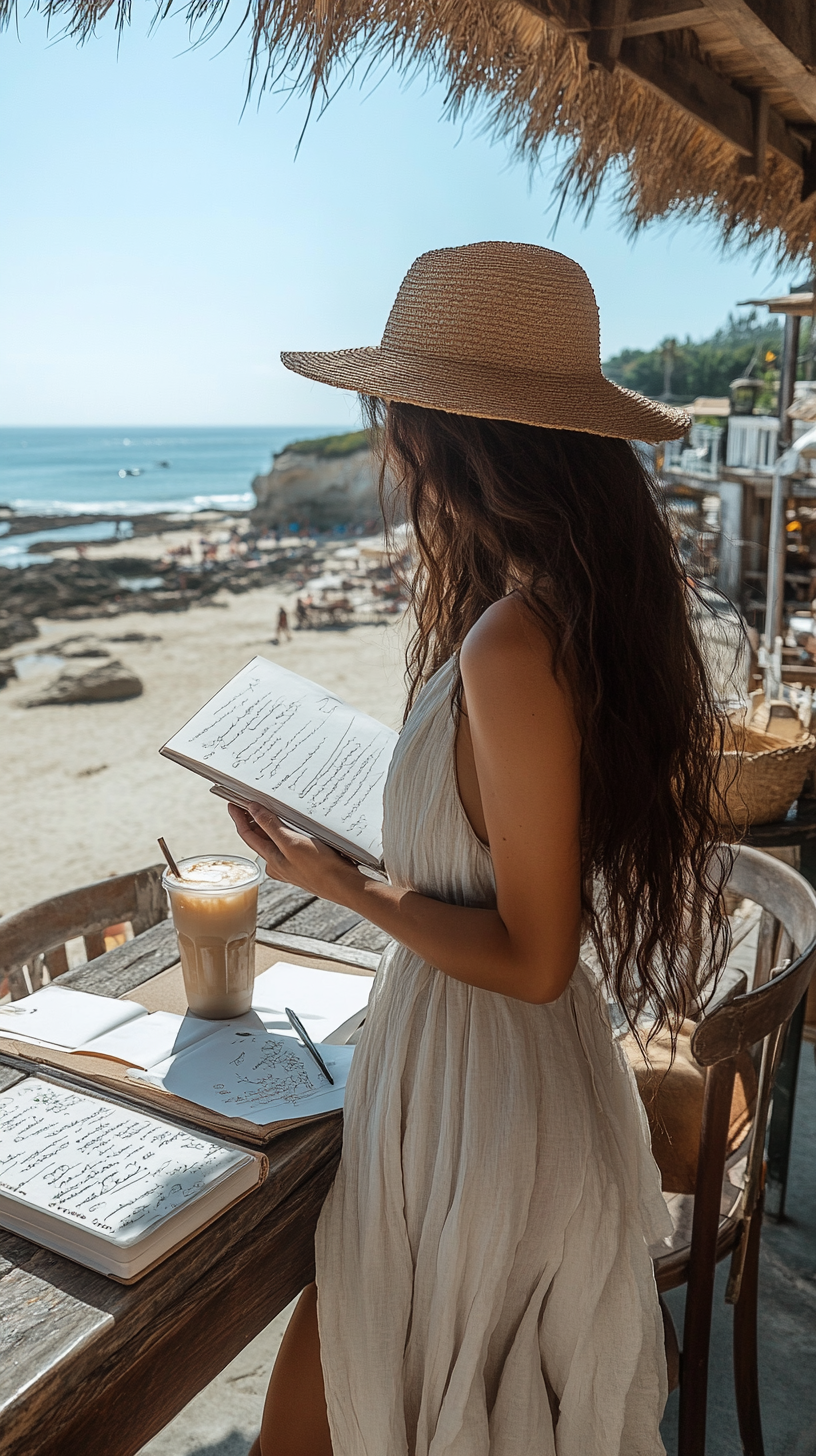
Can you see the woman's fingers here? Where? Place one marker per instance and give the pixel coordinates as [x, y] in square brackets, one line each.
[270, 823]
[254, 836]
[297, 858]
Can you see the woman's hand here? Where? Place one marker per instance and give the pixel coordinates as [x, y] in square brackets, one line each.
[297, 859]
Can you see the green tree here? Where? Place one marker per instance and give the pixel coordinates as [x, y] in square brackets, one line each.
[705, 367]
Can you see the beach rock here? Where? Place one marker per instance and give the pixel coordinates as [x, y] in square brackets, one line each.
[320, 484]
[137, 637]
[79, 591]
[109, 682]
[87, 646]
[54, 589]
[15, 628]
[7, 672]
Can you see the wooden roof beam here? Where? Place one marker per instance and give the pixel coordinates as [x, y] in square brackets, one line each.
[708, 97]
[624, 32]
[652, 16]
[612, 20]
[581, 16]
[779, 33]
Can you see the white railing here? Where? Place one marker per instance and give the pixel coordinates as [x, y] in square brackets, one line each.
[700, 457]
[752, 442]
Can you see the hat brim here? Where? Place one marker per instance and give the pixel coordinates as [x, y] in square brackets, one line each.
[593, 404]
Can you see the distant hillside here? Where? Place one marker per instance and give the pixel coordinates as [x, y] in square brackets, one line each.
[330, 447]
[706, 367]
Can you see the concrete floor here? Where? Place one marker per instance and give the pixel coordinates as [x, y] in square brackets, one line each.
[223, 1419]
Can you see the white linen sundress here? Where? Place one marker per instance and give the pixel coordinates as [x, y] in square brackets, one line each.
[484, 1282]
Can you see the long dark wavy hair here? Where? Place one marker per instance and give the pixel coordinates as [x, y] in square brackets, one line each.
[573, 523]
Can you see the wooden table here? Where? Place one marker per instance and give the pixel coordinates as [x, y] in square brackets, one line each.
[89, 1367]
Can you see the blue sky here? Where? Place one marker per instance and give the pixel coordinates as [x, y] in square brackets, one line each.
[158, 248]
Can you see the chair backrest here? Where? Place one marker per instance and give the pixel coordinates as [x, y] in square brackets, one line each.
[738, 1019]
[37, 935]
[788, 928]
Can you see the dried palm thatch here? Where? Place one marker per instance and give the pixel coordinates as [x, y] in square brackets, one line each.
[530, 82]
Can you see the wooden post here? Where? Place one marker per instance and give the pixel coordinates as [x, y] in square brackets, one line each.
[754, 166]
[790, 352]
[607, 19]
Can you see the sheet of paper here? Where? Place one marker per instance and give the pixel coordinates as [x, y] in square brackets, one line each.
[322, 999]
[256, 1075]
[100, 1166]
[57, 1016]
[271, 729]
[150, 1039]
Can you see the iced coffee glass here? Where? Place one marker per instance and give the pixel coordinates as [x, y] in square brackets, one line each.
[215, 910]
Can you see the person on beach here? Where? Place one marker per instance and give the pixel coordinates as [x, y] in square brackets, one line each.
[483, 1279]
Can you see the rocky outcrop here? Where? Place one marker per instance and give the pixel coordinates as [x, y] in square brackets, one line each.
[15, 628]
[110, 682]
[75, 591]
[320, 484]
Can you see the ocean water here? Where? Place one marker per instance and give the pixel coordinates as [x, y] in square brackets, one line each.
[132, 471]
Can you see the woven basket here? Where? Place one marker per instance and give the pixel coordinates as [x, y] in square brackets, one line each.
[761, 775]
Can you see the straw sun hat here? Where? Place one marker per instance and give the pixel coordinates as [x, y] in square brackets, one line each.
[504, 331]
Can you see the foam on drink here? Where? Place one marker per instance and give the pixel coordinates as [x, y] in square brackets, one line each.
[215, 907]
[215, 874]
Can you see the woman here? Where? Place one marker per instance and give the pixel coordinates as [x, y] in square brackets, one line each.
[483, 1280]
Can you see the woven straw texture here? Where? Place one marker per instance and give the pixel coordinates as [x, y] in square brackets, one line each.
[762, 775]
[503, 331]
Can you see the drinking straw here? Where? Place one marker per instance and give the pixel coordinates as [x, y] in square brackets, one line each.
[174, 869]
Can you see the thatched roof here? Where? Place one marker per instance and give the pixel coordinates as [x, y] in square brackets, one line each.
[696, 106]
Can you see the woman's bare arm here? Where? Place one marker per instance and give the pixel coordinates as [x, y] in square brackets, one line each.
[526, 756]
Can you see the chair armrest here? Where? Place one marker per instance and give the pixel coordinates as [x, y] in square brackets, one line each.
[705, 1047]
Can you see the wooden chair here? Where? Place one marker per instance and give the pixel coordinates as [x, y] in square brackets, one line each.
[724, 1215]
[34, 938]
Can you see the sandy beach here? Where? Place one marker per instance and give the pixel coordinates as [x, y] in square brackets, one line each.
[84, 790]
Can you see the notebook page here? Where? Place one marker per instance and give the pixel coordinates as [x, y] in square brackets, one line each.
[257, 1075]
[59, 1017]
[99, 1166]
[272, 730]
[150, 1039]
[322, 999]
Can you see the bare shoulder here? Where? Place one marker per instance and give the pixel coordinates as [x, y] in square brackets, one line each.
[509, 680]
[506, 639]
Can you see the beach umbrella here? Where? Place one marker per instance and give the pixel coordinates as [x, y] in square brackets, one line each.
[693, 106]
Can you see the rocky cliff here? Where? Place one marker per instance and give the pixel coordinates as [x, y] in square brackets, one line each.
[320, 483]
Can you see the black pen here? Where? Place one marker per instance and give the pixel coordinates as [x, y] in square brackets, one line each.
[297, 1025]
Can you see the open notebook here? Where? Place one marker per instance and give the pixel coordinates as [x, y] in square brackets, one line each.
[253, 1067]
[276, 738]
[113, 1189]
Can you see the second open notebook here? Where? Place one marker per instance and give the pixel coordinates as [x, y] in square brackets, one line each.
[253, 1067]
[113, 1189]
